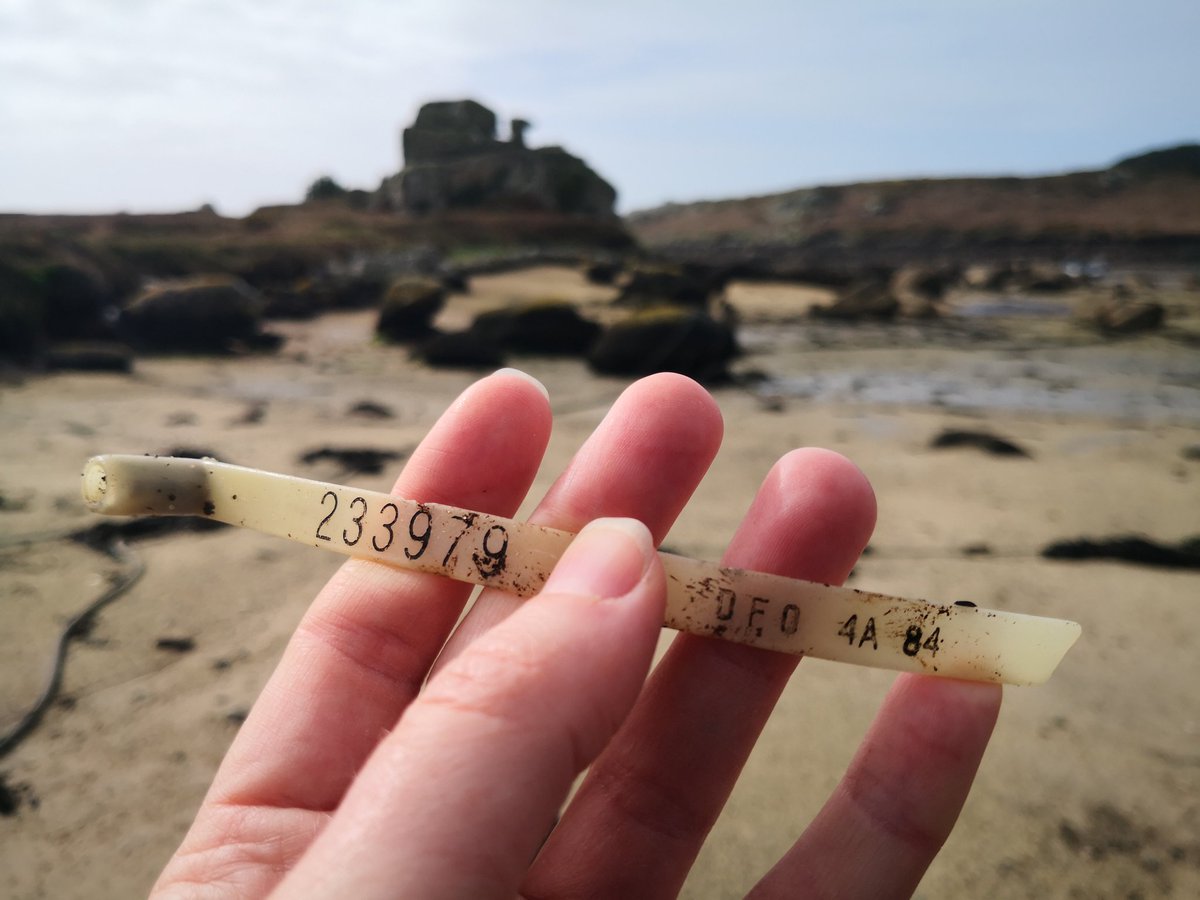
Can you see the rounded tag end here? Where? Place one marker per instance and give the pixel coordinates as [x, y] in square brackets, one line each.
[95, 484]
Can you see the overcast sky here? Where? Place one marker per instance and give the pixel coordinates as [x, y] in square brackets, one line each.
[148, 105]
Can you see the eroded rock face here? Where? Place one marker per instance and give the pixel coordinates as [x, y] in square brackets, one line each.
[453, 161]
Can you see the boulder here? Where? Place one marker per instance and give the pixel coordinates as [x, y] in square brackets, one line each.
[657, 285]
[79, 299]
[61, 296]
[355, 291]
[601, 272]
[460, 350]
[986, 277]
[303, 299]
[91, 356]
[866, 299]
[1041, 278]
[455, 280]
[666, 339]
[22, 314]
[408, 309]
[1126, 315]
[919, 289]
[549, 327]
[309, 296]
[213, 313]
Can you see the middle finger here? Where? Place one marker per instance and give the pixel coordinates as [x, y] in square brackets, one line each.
[642, 462]
[648, 802]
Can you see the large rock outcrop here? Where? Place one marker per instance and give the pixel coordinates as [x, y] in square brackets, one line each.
[454, 161]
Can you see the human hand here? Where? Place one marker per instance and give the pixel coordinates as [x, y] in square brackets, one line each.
[349, 780]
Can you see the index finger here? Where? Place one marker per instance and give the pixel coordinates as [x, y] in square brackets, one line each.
[365, 645]
[359, 655]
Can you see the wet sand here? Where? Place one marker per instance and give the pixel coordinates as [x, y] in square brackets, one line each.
[1090, 788]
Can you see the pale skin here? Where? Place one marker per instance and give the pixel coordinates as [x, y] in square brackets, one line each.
[353, 777]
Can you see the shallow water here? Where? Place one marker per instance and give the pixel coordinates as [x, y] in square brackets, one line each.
[1137, 387]
[992, 307]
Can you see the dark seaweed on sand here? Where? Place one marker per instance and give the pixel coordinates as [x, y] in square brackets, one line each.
[1129, 548]
[980, 440]
[353, 460]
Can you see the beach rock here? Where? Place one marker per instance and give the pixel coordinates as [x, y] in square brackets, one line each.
[13, 794]
[1129, 315]
[666, 339]
[304, 299]
[22, 314]
[1041, 278]
[1020, 277]
[548, 327]
[361, 290]
[311, 295]
[983, 277]
[919, 289]
[460, 350]
[870, 298]
[79, 299]
[408, 309]
[658, 285]
[455, 281]
[211, 313]
[93, 356]
[601, 272]
[980, 440]
[55, 295]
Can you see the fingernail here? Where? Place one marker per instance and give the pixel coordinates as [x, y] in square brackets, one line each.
[606, 560]
[525, 375]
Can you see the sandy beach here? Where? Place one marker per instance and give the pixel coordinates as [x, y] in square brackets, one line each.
[1091, 787]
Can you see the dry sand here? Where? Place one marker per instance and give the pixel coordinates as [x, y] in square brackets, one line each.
[1091, 787]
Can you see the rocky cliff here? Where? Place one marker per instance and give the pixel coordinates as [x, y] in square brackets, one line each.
[454, 161]
[1144, 209]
